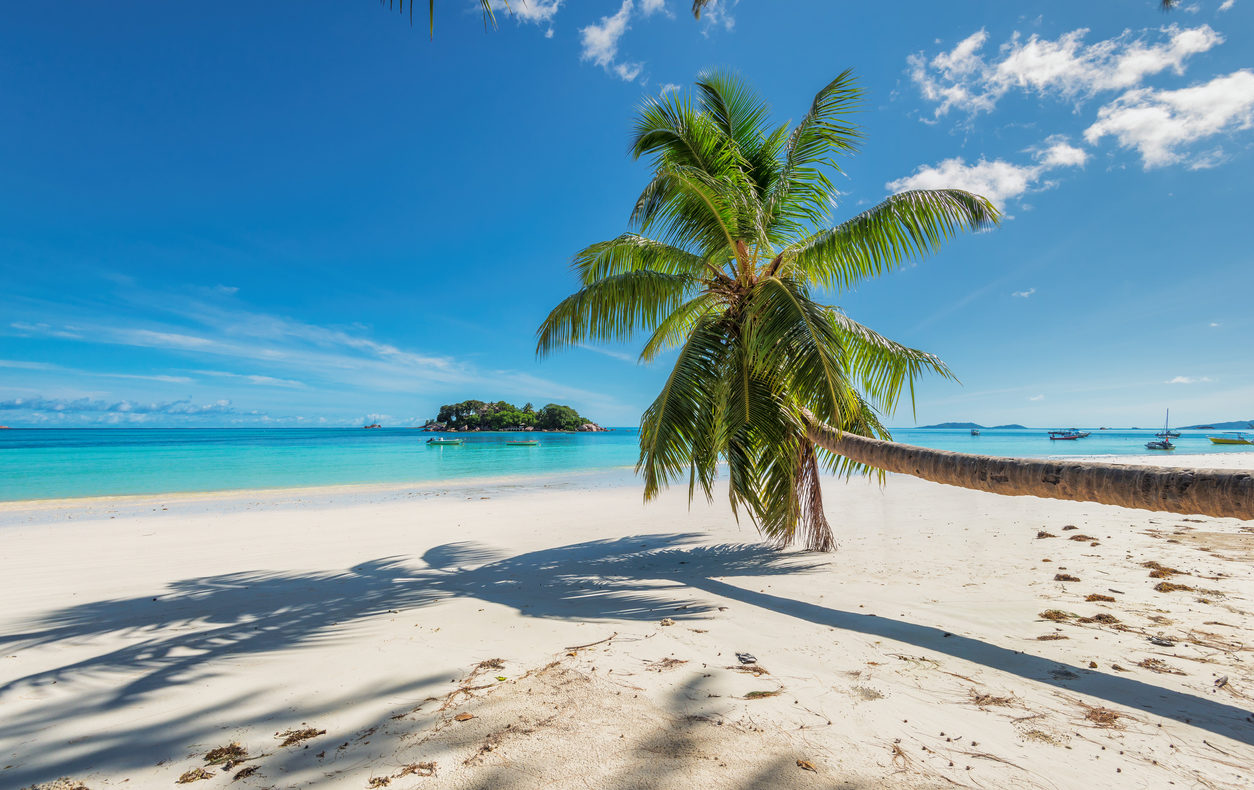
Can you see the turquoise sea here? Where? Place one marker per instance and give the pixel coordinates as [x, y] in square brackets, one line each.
[56, 463]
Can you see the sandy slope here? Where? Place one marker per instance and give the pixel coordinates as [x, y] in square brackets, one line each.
[137, 634]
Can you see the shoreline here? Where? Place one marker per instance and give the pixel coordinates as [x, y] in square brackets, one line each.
[616, 475]
[620, 475]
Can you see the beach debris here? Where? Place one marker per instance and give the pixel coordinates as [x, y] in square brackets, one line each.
[746, 658]
[667, 621]
[1162, 641]
[763, 694]
[989, 700]
[379, 781]
[1221, 682]
[1051, 637]
[194, 775]
[1092, 665]
[229, 754]
[663, 664]
[491, 663]
[502, 678]
[463, 717]
[1095, 597]
[1166, 587]
[1044, 534]
[293, 737]
[1057, 615]
[867, 694]
[417, 769]
[1159, 666]
[1069, 526]
[64, 783]
[592, 644]
[1081, 538]
[245, 772]
[1065, 577]
[1101, 617]
[1117, 668]
[1102, 717]
[755, 669]
[806, 765]
[1159, 571]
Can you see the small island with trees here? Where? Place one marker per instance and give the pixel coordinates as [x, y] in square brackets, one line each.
[477, 415]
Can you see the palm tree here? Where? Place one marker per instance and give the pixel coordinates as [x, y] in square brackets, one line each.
[730, 243]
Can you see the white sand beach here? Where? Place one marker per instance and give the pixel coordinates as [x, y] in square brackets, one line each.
[572, 637]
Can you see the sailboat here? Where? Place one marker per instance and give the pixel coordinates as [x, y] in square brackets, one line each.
[1164, 440]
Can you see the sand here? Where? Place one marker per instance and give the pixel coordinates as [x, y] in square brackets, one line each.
[572, 637]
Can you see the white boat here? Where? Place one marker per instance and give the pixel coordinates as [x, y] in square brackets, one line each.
[1164, 440]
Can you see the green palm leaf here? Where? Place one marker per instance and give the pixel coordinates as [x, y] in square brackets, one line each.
[758, 356]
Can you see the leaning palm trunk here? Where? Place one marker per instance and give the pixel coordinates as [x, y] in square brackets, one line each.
[1208, 492]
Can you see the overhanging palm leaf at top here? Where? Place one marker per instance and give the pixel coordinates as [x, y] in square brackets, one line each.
[730, 239]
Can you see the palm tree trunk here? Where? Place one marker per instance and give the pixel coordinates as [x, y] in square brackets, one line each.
[1209, 492]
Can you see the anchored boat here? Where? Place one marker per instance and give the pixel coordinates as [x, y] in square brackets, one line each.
[1233, 437]
[445, 441]
[524, 443]
[1164, 440]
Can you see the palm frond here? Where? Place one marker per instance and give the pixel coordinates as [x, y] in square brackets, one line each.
[612, 308]
[801, 194]
[882, 367]
[903, 227]
[632, 252]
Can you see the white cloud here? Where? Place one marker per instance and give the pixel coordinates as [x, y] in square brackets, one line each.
[1189, 380]
[1037, 397]
[1024, 294]
[1158, 123]
[670, 87]
[963, 79]
[650, 7]
[535, 11]
[1226, 4]
[718, 14]
[600, 42]
[1214, 323]
[998, 180]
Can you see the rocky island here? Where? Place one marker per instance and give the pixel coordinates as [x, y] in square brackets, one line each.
[477, 415]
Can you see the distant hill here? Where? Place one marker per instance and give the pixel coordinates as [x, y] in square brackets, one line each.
[970, 426]
[1237, 424]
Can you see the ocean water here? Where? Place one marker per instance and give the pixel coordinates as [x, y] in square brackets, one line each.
[57, 463]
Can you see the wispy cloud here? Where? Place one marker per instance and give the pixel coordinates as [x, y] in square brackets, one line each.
[1036, 397]
[609, 353]
[88, 405]
[600, 43]
[1189, 380]
[965, 80]
[1024, 294]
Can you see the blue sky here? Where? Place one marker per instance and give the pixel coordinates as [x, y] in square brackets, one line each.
[307, 213]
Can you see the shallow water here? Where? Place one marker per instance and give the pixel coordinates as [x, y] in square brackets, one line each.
[56, 463]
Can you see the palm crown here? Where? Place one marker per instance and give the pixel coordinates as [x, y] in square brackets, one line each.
[730, 242]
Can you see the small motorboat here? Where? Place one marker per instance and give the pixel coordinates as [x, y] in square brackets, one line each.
[1163, 442]
[975, 431]
[439, 440]
[1233, 437]
[1070, 434]
[524, 443]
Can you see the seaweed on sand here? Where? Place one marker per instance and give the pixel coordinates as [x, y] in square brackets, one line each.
[1101, 617]
[194, 775]
[417, 769]
[1057, 615]
[1094, 597]
[763, 694]
[1051, 637]
[1065, 577]
[1166, 587]
[293, 737]
[231, 753]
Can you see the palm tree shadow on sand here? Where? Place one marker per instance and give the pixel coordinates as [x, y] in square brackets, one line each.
[177, 635]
